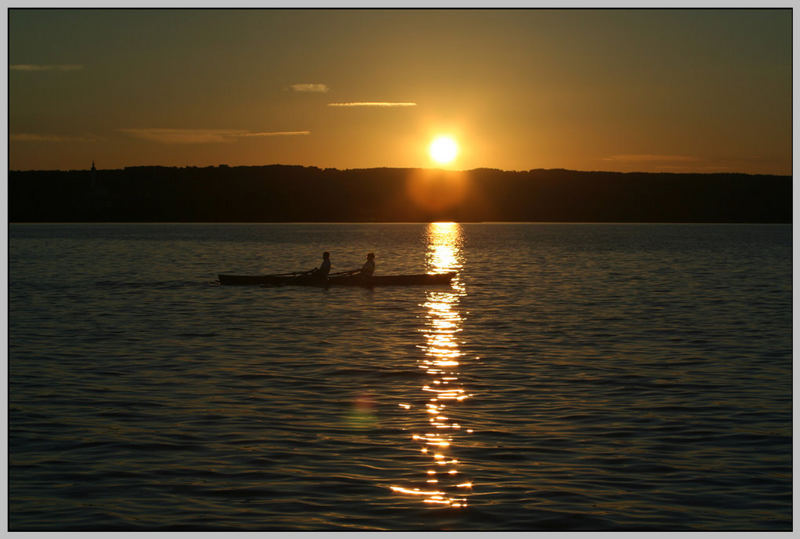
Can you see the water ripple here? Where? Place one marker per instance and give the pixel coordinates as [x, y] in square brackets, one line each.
[577, 377]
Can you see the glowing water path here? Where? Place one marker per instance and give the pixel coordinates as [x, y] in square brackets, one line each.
[443, 393]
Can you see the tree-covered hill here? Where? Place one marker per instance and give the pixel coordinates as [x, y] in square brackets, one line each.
[279, 193]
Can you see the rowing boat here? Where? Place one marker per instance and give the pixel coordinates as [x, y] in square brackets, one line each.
[337, 280]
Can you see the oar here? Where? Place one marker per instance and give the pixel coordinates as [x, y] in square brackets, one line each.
[289, 274]
[340, 273]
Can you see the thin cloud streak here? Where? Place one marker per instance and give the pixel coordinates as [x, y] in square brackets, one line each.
[276, 134]
[47, 67]
[372, 104]
[310, 87]
[202, 136]
[651, 158]
[36, 137]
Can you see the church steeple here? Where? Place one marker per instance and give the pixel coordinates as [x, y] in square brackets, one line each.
[93, 169]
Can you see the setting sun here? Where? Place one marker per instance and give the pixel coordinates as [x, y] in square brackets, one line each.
[443, 149]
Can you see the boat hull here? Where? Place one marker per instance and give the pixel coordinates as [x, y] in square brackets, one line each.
[338, 280]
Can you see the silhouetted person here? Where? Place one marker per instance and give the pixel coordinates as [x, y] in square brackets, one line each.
[324, 269]
[369, 266]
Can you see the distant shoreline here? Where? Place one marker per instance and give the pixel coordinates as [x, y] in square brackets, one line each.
[293, 194]
[499, 223]
[362, 169]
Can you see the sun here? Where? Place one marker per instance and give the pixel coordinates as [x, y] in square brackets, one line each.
[443, 149]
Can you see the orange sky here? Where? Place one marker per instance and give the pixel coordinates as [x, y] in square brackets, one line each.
[623, 90]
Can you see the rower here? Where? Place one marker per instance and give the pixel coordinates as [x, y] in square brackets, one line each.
[325, 268]
[369, 266]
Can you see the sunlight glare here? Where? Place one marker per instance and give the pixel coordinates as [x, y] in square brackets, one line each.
[443, 149]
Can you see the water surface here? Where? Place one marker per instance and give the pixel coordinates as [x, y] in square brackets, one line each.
[573, 377]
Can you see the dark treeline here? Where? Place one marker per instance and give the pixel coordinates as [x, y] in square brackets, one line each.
[280, 193]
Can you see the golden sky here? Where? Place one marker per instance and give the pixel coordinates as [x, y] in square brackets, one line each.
[621, 90]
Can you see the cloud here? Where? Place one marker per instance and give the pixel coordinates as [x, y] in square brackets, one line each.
[651, 158]
[372, 104]
[48, 67]
[34, 137]
[201, 136]
[309, 87]
[275, 134]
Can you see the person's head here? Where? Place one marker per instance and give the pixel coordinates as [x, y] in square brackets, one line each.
[370, 256]
[326, 255]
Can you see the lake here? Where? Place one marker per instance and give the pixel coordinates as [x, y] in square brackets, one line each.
[572, 377]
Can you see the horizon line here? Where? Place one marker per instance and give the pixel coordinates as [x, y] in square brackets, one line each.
[597, 171]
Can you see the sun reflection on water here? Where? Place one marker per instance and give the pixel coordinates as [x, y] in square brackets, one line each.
[438, 432]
